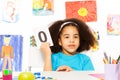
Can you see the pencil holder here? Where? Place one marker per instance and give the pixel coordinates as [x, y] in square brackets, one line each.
[7, 74]
[112, 71]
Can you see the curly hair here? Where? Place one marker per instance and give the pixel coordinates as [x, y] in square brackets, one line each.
[87, 39]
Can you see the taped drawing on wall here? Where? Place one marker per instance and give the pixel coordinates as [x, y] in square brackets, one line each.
[42, 7]
[84, 10]
[11, 47]
[10, 11]
[113, 24]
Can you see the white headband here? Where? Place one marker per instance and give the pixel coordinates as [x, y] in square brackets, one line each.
[66, 24]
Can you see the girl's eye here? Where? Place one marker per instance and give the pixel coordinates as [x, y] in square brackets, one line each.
[76, 36]
[66, 37]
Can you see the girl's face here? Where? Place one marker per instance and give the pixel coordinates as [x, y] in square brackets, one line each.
[69, 40]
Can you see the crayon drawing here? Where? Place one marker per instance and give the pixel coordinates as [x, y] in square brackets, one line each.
[113, 24]
[11, 52]
[96, 46]
[42, 7]
[33, 41]
[9, 11]
[84, 10]
[35, 58]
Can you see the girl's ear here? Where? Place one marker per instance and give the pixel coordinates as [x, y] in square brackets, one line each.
[59, 42]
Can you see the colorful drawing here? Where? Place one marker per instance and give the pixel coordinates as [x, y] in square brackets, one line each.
[11, 52]
[7, 53]
[33, 41]
[113, 24]
[96, 46]
[9, 11]
[84, 10]
[42, 7]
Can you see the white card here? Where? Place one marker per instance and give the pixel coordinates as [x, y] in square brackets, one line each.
[42, 34]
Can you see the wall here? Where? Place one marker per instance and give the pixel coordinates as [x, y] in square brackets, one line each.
[27, 22]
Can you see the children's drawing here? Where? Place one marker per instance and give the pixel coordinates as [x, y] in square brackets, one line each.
[35, 56]
[96, 46]
[9, 11]
[7, 53]
[113, 24]
[42, 7]
[11, 52]
[84, 10]
[33, 41]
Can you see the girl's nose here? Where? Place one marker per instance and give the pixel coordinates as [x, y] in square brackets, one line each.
[72, 40]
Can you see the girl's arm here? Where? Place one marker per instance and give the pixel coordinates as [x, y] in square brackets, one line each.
[45, 48]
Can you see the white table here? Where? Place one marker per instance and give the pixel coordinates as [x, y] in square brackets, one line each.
[74, 75]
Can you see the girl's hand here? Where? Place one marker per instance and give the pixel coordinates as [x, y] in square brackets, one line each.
[45, 48]
[64, 68]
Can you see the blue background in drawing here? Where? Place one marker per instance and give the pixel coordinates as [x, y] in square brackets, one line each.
[17, 43]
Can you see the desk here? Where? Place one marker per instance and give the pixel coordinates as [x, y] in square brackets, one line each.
[74, 75]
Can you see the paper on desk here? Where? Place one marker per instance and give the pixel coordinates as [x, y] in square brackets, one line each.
[99, 76]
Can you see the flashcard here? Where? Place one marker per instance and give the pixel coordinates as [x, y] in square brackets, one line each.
[42, 35]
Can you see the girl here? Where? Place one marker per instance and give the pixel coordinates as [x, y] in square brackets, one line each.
[70, 38]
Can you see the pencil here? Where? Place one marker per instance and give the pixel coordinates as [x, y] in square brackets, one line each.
[114, 61]
[109, 60]
[105, 61]
[105, 55]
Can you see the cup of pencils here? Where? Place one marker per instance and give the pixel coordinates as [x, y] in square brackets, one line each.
[112, 71]
[111, 68]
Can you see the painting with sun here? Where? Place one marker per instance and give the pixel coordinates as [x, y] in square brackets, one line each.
[84, 10]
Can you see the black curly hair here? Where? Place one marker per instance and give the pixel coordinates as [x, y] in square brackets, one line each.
[87, 39]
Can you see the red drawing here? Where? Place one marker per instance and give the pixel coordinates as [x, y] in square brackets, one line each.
[84, 10]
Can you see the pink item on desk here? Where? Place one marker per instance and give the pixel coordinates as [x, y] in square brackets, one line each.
[98, 75]
[7, 77]
[7, 74]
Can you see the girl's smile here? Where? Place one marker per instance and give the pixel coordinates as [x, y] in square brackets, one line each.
[71, 46]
